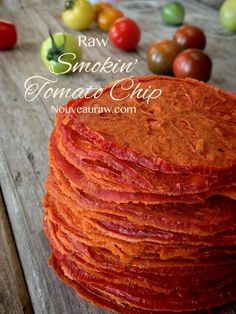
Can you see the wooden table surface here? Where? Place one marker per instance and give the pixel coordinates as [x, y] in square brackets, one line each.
[27, 284]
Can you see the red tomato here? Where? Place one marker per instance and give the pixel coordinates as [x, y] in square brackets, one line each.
[125, 34]
[193, 63]
[8, 35]
[190, 36]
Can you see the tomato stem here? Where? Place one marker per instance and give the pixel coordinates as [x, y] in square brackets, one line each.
[55, 52]
[69, 4]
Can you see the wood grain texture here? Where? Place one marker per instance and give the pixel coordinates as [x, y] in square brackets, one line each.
[212, 3]
[25, 126]
[14, 296]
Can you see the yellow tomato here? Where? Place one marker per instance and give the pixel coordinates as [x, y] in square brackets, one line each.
[107, 17]
[78, 14]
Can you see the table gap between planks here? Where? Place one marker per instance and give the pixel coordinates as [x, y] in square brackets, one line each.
[27, 284]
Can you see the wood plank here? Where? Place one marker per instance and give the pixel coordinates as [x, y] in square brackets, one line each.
[25, 126]
[213, 3]
[14, 296]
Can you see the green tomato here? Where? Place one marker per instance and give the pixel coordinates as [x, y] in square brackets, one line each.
[228, 15]
[173, 13]
[78, 14]
[60, 52]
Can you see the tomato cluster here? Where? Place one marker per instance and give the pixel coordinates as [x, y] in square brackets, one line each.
[124, 32]
[60, 52]
[80, 14]
[182, 56]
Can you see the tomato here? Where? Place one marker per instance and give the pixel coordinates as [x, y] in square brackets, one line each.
[125, 34]
[8, 35]
[55, 46]
[107, 17]
[100, 6]
[161, 55]
[193, 63]
[190, 36]
[173, 13]
[78, 14]
[228, 15]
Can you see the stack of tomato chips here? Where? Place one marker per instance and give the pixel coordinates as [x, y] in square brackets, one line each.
[140, 209]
